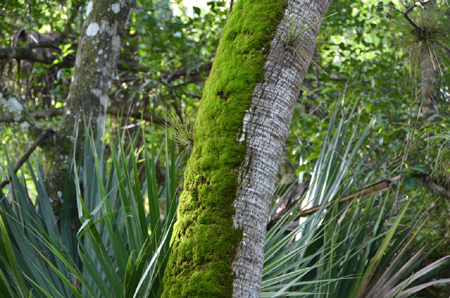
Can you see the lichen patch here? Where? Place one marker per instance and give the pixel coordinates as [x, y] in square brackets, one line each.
[104, 99]
[25, 126]
[97, 92]
[115, 43]
[115, 8]
[92, 29]
[13, 106]
[89, 8]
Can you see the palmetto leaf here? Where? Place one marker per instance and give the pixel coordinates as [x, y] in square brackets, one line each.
[114, 252]
[353, 250]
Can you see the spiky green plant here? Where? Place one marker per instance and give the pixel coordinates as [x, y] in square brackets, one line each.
[441, 165]
[427, 32]
[355, 250]
[181, 130]
[111, 247]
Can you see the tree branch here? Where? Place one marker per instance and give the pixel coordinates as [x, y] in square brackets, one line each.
[431, 183]
[288, 201]
[365, 192]
[41, 139]
[13, 111]
[24, 53]
[427, 181]
[168, 77]
[112, 110]
[409, 9]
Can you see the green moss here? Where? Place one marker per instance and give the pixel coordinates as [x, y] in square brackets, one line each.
[204, 240]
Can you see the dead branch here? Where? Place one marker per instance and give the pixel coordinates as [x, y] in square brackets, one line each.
[365, 192]
[40, 140]
[24, 53]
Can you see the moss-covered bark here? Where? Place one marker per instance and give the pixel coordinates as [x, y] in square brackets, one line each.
[204, 240]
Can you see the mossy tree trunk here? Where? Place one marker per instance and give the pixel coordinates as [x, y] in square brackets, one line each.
[96, 60]
[239, 134]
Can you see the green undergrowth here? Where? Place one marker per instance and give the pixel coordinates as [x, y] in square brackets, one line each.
[204, 240]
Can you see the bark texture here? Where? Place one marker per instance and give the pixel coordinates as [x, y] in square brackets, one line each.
[428, 78]
[96, 61]
[204, 239]
[266, 125]
[239, 134]
[428, 63]
[13, 111]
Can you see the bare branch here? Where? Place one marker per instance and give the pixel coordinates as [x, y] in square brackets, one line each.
[365, 192]
[13, 111]
[23, 53]
[169, 77]
[432, 183]
[41, 139]
[113, 110]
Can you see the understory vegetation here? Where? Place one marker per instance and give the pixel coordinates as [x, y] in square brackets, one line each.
[363, 194]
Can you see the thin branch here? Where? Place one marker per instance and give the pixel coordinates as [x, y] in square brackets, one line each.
[365, 192]
[288, 201]
[427, 181]
[41, 139]
[440, 189]
[147, 116]
[44, 43]
[55, 112]
[169, 77]
[409, 9]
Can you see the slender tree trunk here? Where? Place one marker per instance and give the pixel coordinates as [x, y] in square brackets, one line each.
[428, 77]
[239, 134]
[428, 64]
[95, 64]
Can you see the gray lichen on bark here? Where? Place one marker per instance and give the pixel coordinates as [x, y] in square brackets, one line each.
[96, 60]
[13, 111]
[95, 63]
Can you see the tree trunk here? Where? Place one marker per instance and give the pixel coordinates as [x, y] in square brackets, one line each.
[96, 61]
[240, 131]
[428, 78]
[428, 64]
